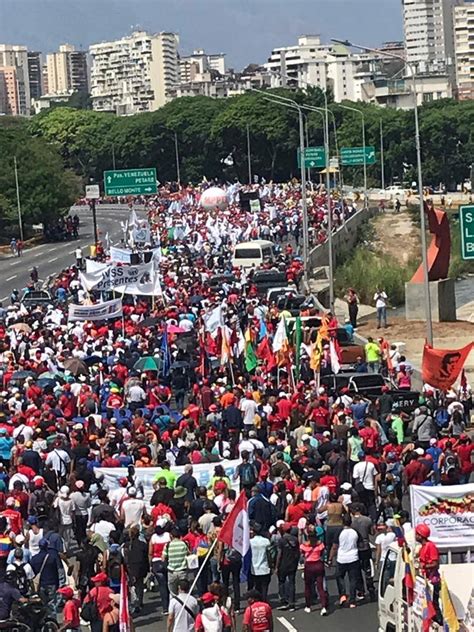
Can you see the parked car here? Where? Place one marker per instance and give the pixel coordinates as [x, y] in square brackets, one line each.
[33, 298]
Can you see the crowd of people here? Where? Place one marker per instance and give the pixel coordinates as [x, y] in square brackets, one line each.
[325, 471]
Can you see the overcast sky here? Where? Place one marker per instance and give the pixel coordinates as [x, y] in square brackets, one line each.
[246, 30]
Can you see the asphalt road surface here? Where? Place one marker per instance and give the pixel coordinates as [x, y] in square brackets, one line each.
[53, 257]
[361, 619]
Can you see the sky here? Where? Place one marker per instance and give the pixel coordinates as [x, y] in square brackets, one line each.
[246, 30]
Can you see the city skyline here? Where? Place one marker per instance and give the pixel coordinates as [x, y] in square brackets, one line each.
[45, 24]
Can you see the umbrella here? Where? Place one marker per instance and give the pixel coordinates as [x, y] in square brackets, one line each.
[196, 299]
[24, 327]
[180, 364]
[93, 359]
[147, 363]
[149, 322]
[49, 375]
[46, 382]
[76, 366]
[22, 375]
[172, 329]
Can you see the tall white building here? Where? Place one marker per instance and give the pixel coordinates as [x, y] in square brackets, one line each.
[327, 66]
[137, 73]
[200, 63]
[67, 71]
[429, 35]
[464, 49]
[12, 56]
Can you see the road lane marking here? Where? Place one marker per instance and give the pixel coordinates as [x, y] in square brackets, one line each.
[286, 624]
[52, 260]
[12, 277]
[4, 298]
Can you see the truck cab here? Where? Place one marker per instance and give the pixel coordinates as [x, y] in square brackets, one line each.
[394, 612]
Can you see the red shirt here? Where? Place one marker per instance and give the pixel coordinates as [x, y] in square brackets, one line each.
[320, 416]
[428, 554]
[258, 616]
[464, 452]
[101, 596]
[284, 408]
[416, 473]
[71, 613]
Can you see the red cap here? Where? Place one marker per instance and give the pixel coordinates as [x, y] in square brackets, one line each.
[208, 598]
[423, 530]
[66, 591]
[99, 578]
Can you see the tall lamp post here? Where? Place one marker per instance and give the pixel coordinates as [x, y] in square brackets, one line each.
[357, 111]
[293, 105]
[426, 281]
[382, 157]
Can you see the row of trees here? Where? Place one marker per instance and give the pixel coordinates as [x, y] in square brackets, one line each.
[208, 130]
[63, 148]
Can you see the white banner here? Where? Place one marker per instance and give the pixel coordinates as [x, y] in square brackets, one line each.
[144, 476]
[114, 277]
[120, 255]
[93, 266]
[99, 311]
[447, 510]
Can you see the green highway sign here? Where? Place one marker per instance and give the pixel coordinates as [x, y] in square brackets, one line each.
[466, 223]
[313, 157]
[355, 155]
[130, 182]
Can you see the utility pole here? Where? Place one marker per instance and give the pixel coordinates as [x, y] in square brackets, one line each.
[20, 221]
[382, 164]
[94, 221]
[249, 156]
[176, 151]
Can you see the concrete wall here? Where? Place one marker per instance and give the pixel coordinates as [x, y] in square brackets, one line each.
[344, 239]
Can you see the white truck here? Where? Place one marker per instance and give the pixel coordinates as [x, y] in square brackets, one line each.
[394, 613]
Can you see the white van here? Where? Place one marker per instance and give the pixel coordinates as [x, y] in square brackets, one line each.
[252, 253]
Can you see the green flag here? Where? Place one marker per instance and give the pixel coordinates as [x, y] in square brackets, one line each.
[250, 357]
[298, 339]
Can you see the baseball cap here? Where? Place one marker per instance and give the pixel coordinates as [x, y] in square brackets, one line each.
[132, 491]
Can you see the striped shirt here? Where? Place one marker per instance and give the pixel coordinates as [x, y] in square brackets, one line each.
[176, 552]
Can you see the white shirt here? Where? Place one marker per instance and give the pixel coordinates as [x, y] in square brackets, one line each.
[380, 299]
[103, 528]
[259, 546]
[347, 550]
[248, 408]
[133, 509]
[59, 460]
[365, 473]
[33, 541]
[384, 540]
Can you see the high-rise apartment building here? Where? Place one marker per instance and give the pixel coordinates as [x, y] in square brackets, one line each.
[199, 63]
[464, 49]
[67, 71]
[16, 57]
[429, 35]
[137, 73]
[35, 74]
[9, 94]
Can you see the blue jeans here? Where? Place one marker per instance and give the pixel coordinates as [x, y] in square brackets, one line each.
[381, 316]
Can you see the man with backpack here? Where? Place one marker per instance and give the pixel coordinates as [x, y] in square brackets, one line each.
[286, 566]
[424, 428]
[448, 466]
[246, 472]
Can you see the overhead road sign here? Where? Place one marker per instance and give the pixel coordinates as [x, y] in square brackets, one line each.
[313, 157]
[355, 155]
[466, 224]
[130, 182]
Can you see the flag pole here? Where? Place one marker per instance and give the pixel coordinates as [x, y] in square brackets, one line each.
[232, 373]
[198, 575]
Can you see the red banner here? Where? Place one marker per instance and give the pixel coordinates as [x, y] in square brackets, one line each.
[441, 367]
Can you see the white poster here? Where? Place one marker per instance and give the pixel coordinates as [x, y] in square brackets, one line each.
[116, 277]
[448, 511]
[99, 311]
[120, 255]
[144, 476]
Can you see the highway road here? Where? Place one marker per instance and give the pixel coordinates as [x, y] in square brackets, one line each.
[361, 619]
[54, 257]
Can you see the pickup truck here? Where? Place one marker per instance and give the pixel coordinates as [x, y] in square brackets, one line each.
[369, 386]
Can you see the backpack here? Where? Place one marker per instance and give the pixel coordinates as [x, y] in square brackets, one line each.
[450, 464]
[248, 476]
[20, 579]
[42, 508]
[442, 417]
[114, 566]
[232, 557]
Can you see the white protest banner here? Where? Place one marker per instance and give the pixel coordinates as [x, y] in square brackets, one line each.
[447, 511]
[99, 311]
[117, 277]
[144, 476]
[120, 255]
[95, 266]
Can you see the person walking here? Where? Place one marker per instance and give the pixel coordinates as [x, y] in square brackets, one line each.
[175, 554]
[286, 566]
[183, 609]
[136, 559]
[346, 553]
[313, 550]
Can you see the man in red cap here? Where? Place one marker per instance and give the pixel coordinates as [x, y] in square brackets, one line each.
[100, 595]
[429, 561]
[71, 619]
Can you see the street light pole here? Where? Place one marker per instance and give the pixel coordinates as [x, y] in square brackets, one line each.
[20, 220]
[382, 163]
[176, 152]
[357, 111]
[424, 253]
[293, 105]
[249, 159]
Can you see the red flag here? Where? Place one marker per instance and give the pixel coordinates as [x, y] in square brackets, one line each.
[265, 353]
[441, 367]
[235, 531]
[124, 612]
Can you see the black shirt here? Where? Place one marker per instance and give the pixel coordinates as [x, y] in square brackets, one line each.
[189, 483]
[8, 595]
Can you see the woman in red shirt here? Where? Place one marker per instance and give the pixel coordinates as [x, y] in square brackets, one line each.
[313, 550]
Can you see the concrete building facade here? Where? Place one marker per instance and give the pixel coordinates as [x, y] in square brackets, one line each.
[464, 49]
[66, 71]
[16, 57]
[137, 73]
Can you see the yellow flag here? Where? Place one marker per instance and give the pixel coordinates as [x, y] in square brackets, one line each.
[449, 613]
